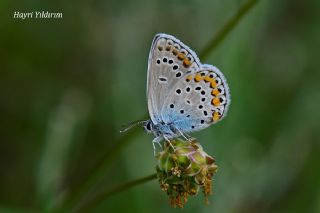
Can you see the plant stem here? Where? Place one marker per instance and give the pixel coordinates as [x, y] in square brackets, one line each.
[87, 205]
[222, 34]
[99, 170]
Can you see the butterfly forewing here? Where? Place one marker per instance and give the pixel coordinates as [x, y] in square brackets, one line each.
[169, 62]
[197, 100]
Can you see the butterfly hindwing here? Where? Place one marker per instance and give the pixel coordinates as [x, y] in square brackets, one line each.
[197, 100]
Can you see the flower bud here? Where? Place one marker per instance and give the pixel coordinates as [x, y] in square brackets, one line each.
[183, 169]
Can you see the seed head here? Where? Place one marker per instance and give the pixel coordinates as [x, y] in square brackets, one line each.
[183, 169]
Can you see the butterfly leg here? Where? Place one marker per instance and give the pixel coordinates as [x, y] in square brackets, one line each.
[190, 138]
[185, 136]
[156, 141]
[167, 139]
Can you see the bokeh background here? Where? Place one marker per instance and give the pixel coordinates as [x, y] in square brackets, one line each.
[68, 85]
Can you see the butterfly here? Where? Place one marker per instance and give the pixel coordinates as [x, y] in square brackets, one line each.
[183, 94]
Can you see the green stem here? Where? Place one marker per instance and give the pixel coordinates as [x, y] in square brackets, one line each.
[222, 34]
[99, 170]
[89, 204]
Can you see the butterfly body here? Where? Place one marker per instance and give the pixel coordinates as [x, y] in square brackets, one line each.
[160, 129]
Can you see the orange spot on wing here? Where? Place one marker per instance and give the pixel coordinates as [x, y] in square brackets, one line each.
[186, 62]
[216, 101]
[213, 83]
[175, 52]
[215, 92]
[207, 79]
[181, 56]
[198, 77]
[216, 116]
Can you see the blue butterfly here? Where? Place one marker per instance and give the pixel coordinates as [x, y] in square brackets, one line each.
[183, 95]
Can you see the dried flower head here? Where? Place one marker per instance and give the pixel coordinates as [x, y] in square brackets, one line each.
[183, 169]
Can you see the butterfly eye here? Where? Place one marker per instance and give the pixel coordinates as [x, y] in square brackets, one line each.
[148, 126]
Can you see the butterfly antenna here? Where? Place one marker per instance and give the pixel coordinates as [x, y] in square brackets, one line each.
[131, 125]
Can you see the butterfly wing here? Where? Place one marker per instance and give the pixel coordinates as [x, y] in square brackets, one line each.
[197, 100]
[169, 61]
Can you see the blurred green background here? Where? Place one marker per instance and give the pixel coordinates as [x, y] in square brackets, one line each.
[68, 85]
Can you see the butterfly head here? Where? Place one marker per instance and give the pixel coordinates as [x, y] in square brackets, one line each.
[148, 126]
